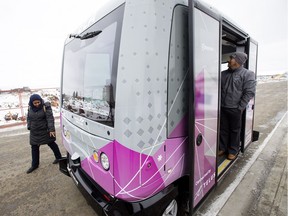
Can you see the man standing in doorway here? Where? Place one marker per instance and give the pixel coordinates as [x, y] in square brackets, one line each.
[238, 87]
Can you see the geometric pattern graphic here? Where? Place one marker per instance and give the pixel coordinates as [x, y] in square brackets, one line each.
[137, 183]
[206, 103]
[178, 72]
[132, 176]
[141, 95]
[206, 126]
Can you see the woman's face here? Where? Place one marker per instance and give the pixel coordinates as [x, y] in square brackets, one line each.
[36, 103]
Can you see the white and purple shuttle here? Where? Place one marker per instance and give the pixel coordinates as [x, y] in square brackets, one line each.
[140, 106]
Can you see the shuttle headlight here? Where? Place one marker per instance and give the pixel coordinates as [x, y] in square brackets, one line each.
[66, 132]
[96, 156]
[105, 161]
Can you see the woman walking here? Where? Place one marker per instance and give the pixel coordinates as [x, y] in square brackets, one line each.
[40, 122]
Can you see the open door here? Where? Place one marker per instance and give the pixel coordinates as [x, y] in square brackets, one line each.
[204, 59]
[233, 40]
[249, 120]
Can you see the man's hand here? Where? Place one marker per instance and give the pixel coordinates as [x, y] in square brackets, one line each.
[52, 134]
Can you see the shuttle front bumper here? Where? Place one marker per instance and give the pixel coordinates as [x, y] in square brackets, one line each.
[104, 204]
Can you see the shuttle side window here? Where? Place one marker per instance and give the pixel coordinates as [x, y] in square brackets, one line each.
[178, 74]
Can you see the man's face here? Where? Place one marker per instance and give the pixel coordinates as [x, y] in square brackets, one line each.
[232, 64]
[36, 103]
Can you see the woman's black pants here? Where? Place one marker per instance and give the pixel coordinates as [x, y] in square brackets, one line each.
[36, 154]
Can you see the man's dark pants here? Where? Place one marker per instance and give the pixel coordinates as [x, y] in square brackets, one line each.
[230, 128]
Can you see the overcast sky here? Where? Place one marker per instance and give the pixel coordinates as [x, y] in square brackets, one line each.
[33, 33]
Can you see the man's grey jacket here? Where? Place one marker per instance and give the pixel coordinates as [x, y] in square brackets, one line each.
[237, 88]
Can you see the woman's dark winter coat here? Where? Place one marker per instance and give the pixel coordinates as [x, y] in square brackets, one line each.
[41, 123]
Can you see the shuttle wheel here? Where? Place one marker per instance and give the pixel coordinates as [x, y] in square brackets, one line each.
[172, 209]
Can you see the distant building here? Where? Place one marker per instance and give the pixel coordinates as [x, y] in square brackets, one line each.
[26, 88]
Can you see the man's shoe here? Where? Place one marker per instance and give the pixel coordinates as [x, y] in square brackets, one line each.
[56, 161]
[221, 153]
[231, 156]
[31, 169]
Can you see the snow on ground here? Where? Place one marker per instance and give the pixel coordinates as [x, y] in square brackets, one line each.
[14, 104]
[272, 78]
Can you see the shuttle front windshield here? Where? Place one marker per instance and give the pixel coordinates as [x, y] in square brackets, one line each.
[90, 69]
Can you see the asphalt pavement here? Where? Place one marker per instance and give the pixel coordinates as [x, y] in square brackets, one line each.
[255, 185]
[260, 186]
[257, 182]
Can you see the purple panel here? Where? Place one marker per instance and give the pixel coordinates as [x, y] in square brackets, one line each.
[181, 129]
[135, 176]
[95, 170]
[138, 176]
[176, 157]
[206, 125]
[127, 174]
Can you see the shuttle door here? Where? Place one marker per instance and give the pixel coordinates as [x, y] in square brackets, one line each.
[252, 65]
[204, 85]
